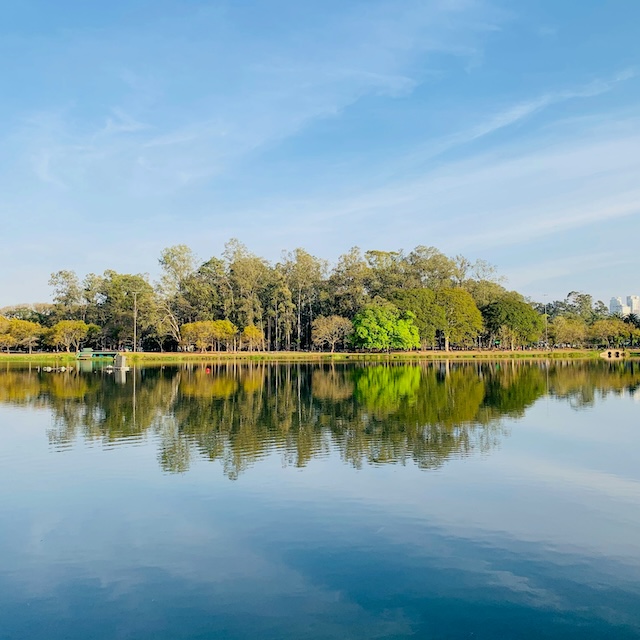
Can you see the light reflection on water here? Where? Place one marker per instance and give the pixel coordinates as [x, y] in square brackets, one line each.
[442, 500]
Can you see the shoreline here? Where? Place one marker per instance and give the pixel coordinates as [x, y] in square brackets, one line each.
[315, 356]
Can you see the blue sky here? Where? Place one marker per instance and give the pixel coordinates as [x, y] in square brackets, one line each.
[507, 131]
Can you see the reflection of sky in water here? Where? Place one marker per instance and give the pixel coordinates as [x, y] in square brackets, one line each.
[539, 536]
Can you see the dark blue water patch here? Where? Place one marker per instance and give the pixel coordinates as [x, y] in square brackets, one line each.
[453, 602]
[365, 595]
[450, 586]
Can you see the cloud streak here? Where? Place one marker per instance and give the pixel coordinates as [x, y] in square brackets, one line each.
[311, 73]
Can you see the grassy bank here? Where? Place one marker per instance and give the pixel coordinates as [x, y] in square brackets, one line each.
[294, 356]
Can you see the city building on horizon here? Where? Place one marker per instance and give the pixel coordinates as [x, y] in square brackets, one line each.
[632, 305]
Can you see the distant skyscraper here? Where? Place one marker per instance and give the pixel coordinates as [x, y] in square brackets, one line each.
[617, 306]
[634, 304]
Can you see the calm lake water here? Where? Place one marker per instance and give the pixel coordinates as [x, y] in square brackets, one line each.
[442, 500]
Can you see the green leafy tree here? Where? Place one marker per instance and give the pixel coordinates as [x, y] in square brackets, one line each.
[248, 278]
[178, 265]
[463, 320]
[348, 283]
[388, 271]
[428, 315]
[484, 292]
[381, 327]
[516, 321]
[224, 332]
[39, 312]
[197, 334]
[281, 316]
[610, 332]
[580, 305]
[124, 300]
[67, 294]
[207, 293]
[210, 333]
[431, 268]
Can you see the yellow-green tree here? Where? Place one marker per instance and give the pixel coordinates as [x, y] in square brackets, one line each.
[197, 334]
[225, 332]
[6, 339]
[208, 333]
[610, 332]
[572, 331]
[252, 336]
[25, 333]
[68, 333]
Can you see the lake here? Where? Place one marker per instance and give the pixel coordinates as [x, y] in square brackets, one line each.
[435, 500]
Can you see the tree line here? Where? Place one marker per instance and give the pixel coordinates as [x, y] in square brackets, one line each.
[376, 300]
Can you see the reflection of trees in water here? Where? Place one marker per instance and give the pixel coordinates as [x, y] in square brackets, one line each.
[581, 385]
[375, 414]
[106, 410]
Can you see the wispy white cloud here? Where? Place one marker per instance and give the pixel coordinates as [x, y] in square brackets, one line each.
[518, 112]
[197, 106]
[42, 168]
[509, 195]
[589, 481]
[373, 49]
[121, 122]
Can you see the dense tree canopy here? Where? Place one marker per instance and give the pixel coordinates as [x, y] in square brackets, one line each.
[381, 326]
[463, 320]
[512, 320]
[371, 300]
[429, 317]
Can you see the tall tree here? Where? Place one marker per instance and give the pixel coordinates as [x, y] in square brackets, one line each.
[178, 264]
[67, 293]
[428, 315]
[304, 274]
[281, 316]
[348, 283]
[432, 268]
[388, 271]
[207, 292]
[463, 320]
[249, 276]
[126, 300]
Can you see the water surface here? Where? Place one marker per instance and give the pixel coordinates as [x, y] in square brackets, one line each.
[443, 500]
